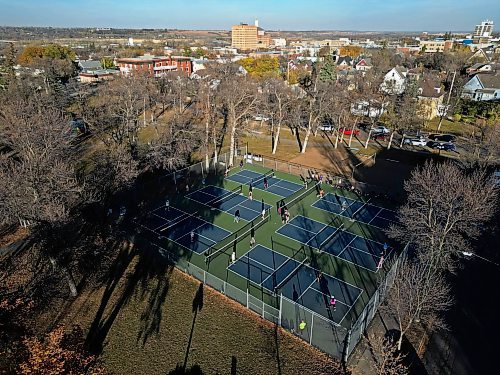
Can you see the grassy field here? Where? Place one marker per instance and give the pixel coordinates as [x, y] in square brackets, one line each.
[150, 318]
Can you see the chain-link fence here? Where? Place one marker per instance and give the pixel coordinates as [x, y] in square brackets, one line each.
[315, 329]
[360, 325]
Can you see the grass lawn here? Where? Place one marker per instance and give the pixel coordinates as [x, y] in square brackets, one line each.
[144, 318]
[460, 129]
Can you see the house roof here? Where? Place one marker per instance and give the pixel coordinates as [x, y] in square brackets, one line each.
[489, 81]
[89, 64]
[429, 88]
[477, 66]
[402, 71]
[344, 59]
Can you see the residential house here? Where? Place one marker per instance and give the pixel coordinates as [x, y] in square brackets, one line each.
[372, 108]
[479, 56]
[430, 98]
[394, 82]
[344, 62]
[97, 75]
[89, 65]
[479, 68]
[363, 64]
[482, 87]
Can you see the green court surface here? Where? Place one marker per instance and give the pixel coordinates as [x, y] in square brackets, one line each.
[215, 227]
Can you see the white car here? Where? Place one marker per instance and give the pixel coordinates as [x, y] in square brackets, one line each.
[326, 127]
[415, 141]
[380, 130]
[261, 118]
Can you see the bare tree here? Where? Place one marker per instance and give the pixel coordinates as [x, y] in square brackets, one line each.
[388, 359]
[417, 295]
[174, 146]
[315, 104]
[239, 95]
[444, 212]
[277, 105]
[38, 182]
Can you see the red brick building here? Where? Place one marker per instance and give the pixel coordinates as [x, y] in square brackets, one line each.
[157, 65]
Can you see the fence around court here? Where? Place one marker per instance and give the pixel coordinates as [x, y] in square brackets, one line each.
[325, 334]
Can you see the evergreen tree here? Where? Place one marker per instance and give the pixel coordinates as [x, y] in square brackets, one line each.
[327, 71]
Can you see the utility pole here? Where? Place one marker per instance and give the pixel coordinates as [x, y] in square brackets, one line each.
[445, 109]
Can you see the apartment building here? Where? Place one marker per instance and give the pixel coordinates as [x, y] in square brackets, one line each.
[433, 46]
[244, 37]
[484, 29]
[157, 65]
[247, 37]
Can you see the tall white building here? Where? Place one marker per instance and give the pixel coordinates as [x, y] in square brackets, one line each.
[485, 29]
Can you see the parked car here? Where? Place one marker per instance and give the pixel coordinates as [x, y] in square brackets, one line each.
[326, 127]
[442, 137]
[447, 147]
[380, 129]
[380, 136]
[348, 131]
[261, 118]
[441, 146]
[415, 141]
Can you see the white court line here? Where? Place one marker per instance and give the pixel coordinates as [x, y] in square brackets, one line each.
[314, 269]
[305, 290]
[352, 306]
[343, 303]
[376, 215]
[326, 252]
[345, 247]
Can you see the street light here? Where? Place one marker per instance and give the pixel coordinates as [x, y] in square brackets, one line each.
[470, 255]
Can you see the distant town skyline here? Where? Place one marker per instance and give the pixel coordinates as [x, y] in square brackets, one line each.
[355, 15]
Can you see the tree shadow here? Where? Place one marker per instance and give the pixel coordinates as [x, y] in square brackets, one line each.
[180, 370]
[196, 307]
[412, 360]
[150, 265]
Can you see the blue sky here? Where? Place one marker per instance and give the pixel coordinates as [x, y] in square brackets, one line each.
[377, 15]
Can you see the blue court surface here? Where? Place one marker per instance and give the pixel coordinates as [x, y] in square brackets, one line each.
[297, 281]
[357, 210]
[277, 186]
[184, 229]
[228, 201]
[358, 250]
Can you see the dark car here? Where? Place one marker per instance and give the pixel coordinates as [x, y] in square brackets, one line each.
[441, 146]
[442, 137]
[447, 147]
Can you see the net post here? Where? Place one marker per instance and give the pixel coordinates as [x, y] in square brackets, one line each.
[280, 310]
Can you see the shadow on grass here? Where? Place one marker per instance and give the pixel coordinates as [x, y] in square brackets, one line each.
[149, 266]
[180, 370]
[197, 306]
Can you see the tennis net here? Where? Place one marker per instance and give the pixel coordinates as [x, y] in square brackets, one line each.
[289, 276]
[331, 237]
[231, 194]
[185, 216]
[295, 198]
[232, 240]
[261, 178]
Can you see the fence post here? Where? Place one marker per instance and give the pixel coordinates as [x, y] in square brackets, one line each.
[312, 325]
[175, 179]
[202, 173]
[247, 298]
[263, 309]
[281, 306]
[204, 277]
[345, 357]
[275, 164]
